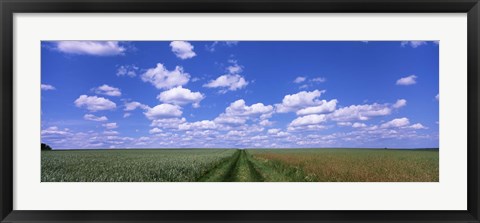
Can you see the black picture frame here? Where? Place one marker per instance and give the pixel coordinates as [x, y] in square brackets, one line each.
[9, 7]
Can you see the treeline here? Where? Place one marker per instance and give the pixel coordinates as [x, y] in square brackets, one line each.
[46, 147]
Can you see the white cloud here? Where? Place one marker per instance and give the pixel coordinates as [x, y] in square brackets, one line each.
[162, 111]
[204, 124]
[112, 125]
[108, 90]
[212, 47]
[236, 133]
[182, 49]
[94, 103]
[265, 123]
[299, 80]
[110, 133]
[407, 80]
[126, 115]
[230, 82]
[413, 44]
[155, 131]
[169, 123]
[396, 123]
[235, 68]
[97, 48]
[309, 120]
[298, 101]
[437, 97]
[344, 123]
[230, 120]
[47, 87]
[359, 125]
[323, 107]
[130, 106]
[319, 79]
[417, 126]
[54, 130]
[273, 131]
[162, 78]
[91, 117]
[400, 103]
[360, 112]
[238, 108]
[181, 96]
[127, 70]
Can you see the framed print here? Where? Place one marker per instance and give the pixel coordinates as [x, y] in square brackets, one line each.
[200, 111]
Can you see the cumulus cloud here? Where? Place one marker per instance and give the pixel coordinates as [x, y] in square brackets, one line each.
[407, 80]
[94, 103]
[91, 117]
[202, 125]
[168, 123]
[163, 111]
[127, 70]
[130, 106]
[54, 130]
[344, 123]
[181, 96]
[273, 131]
[112, 125]
[108, 90]
[299, 80]
[359, 125]
[162, 78]
[47, 87]
[396, 123]
[418, 126]
[182, 49]
[265, 122]
[303, 99]
[229, 82]
[155, 131]
[97, 48]
[309, 120]
[400, 103]
[230, 120]
[413, 44]
[239, 108]
[237, 113]
[234, 68]
[360, 112]
[323, 107]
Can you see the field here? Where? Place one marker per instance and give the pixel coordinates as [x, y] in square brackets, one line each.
[232, 165]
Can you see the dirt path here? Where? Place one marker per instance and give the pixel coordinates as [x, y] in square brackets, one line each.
[236, 169]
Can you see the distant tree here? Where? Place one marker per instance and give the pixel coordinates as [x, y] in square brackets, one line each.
[46, 147]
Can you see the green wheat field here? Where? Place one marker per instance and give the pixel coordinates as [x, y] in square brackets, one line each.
[237, 165]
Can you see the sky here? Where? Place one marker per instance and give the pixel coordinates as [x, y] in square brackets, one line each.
[239, 94]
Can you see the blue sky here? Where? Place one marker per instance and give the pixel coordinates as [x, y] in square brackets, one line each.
[249, 94]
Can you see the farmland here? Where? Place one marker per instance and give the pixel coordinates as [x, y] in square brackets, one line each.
[232, 165]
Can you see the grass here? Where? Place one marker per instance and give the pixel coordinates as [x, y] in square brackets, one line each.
[355, 165]
[229, 165]
[130, 165]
